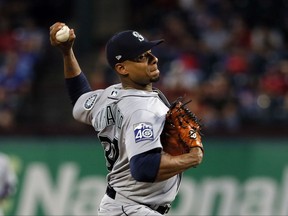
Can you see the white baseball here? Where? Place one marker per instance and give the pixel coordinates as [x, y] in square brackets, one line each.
[63, 34]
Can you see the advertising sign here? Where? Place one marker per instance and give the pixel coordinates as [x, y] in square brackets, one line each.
[66, 176]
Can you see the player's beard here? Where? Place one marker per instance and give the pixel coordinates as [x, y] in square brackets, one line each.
[155, 79]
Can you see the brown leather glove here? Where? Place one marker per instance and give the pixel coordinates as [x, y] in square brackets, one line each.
[182, 130]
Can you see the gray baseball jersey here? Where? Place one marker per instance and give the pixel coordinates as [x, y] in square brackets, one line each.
[8, 179]
[128, 122]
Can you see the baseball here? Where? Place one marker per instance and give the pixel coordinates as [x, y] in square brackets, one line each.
[63, 34]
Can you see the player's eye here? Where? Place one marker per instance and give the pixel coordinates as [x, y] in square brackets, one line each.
[144, 57]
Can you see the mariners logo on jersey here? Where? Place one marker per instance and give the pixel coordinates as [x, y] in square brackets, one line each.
[143, 131]
[89, 103]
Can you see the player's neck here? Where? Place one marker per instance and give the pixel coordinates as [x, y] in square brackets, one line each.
[138, 87]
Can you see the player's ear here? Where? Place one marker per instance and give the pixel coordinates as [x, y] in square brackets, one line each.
[121, 69]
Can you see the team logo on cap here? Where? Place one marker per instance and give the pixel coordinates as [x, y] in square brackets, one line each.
[118, 57]
[143, 131]
[90, 102]
[139, 36]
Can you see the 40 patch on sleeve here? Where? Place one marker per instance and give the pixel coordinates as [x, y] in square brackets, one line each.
[143, 131]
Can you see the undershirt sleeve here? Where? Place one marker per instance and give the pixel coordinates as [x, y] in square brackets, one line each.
[77, 86]
[144, 167]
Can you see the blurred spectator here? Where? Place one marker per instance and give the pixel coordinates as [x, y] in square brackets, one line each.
[183, 73]
[218, 104]
[264, 38]
[12, 85]
[273, 89]
[7, 40]
[215, 36]
[17, 69]
[240, 33]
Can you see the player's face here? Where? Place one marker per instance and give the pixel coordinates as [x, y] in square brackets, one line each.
[143, 69]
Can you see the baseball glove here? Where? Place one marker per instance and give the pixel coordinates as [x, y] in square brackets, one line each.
[182, 130]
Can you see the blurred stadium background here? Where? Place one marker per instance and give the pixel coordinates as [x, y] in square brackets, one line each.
[229, 56]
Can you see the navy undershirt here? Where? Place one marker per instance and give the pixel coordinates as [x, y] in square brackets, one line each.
[77, 86]
[144, 167]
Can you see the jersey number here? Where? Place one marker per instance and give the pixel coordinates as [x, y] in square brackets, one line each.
[111, 151]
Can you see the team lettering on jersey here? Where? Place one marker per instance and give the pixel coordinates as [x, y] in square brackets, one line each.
[109, 115]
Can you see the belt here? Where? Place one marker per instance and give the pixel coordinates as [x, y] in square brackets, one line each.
[161, 209]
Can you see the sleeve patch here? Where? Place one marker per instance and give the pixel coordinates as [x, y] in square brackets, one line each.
[90, 102]
[143, 131]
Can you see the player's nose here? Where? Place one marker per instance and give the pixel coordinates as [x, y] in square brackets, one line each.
[152, 59]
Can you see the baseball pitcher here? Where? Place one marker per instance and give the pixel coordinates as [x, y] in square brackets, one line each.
[128, 118]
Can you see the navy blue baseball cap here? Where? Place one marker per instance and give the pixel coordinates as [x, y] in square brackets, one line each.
[127, 45]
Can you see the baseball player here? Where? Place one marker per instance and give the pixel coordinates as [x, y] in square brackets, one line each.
[8, 179]
[128, 118]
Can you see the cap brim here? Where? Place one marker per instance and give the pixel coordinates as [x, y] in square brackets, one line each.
[148, 45]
